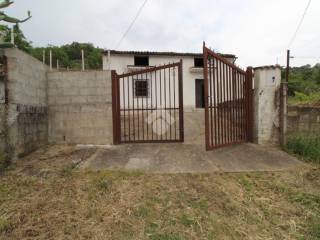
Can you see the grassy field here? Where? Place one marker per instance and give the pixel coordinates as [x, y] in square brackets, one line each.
[46, 196]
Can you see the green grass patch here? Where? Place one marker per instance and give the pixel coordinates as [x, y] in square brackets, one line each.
[308, 147]
[304, 99]
[5, 225]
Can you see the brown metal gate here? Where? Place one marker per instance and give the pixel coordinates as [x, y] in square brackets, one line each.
[228, 101]
[148, 105]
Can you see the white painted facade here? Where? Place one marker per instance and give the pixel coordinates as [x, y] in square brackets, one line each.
[124, 63]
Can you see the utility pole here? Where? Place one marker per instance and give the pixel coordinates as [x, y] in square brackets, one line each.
[44, 56]
[82, 56]
[284, 104]
[288, 66]
[50, 60]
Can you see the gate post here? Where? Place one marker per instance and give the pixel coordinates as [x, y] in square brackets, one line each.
[206, 95]
[115, 108]
[249, 104]
[283, 113]
[181, 120]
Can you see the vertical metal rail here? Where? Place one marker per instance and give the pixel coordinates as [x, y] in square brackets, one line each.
[136, 116]
[249, 77]
[211, 82]
[228, 101]
[115, 108]
[206, 97]
[181, 123]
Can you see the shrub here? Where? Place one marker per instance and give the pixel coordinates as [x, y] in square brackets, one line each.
[308, 147]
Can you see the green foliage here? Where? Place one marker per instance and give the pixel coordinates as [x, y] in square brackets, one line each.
[304, 84]
[301, 98]
[19, 38]
[307, 147]
[69, 55]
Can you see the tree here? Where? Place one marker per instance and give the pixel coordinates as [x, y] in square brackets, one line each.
[20, 40]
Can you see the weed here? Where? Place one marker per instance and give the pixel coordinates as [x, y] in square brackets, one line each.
[142, 211]
[5, 225]
[308, 147]
[246, 183]
[314, 228]
[67, 170]
[104, 185]
[309, 201]
[187, 221]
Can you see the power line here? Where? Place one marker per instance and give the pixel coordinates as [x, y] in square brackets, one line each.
[299, 25]
[306, 57]
[131, 24]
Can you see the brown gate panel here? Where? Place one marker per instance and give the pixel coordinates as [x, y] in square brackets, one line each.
[148, 105]
[228, 110]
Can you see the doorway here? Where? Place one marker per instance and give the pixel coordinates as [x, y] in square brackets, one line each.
[200, 103]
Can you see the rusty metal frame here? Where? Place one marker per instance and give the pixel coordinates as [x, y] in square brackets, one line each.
[228, 101]
[127, 118]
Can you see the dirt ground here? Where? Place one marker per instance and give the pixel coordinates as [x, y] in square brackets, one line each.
[47, 196]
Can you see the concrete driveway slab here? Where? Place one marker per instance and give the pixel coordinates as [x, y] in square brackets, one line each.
[188, 158]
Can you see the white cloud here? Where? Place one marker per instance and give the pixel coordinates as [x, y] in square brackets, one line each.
[257, 31]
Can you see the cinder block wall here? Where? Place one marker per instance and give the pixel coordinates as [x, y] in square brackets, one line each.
[303, 119]
[267, 81]
[26, 111]
[2, 128]
[80, 108]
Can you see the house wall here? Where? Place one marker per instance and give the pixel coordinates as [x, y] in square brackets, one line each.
[121, 62]
[304, 119]
[26, 111]
[80, 108]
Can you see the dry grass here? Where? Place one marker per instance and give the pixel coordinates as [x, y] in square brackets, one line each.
[46, 197]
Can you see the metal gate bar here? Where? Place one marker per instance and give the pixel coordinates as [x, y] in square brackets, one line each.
[148, 105]
[228, 101]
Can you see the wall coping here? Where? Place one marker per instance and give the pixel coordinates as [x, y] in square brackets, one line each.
[25, 53]
[77, 71]
[290, 107]
[268, 67]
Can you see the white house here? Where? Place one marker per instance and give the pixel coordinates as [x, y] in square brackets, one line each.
[193, 84]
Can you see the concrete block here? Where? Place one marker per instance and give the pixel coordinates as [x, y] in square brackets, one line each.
[62, 100]
[97, 99]
[293, 114]
[79, 99]
[70, 91]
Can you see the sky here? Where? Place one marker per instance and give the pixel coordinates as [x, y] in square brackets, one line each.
[256, 31]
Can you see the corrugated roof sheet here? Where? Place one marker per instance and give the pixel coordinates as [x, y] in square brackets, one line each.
[116, 52]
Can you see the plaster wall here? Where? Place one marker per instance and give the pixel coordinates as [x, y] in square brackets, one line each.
[267, 82]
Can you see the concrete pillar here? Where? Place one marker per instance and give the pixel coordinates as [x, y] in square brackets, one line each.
[267, 85]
